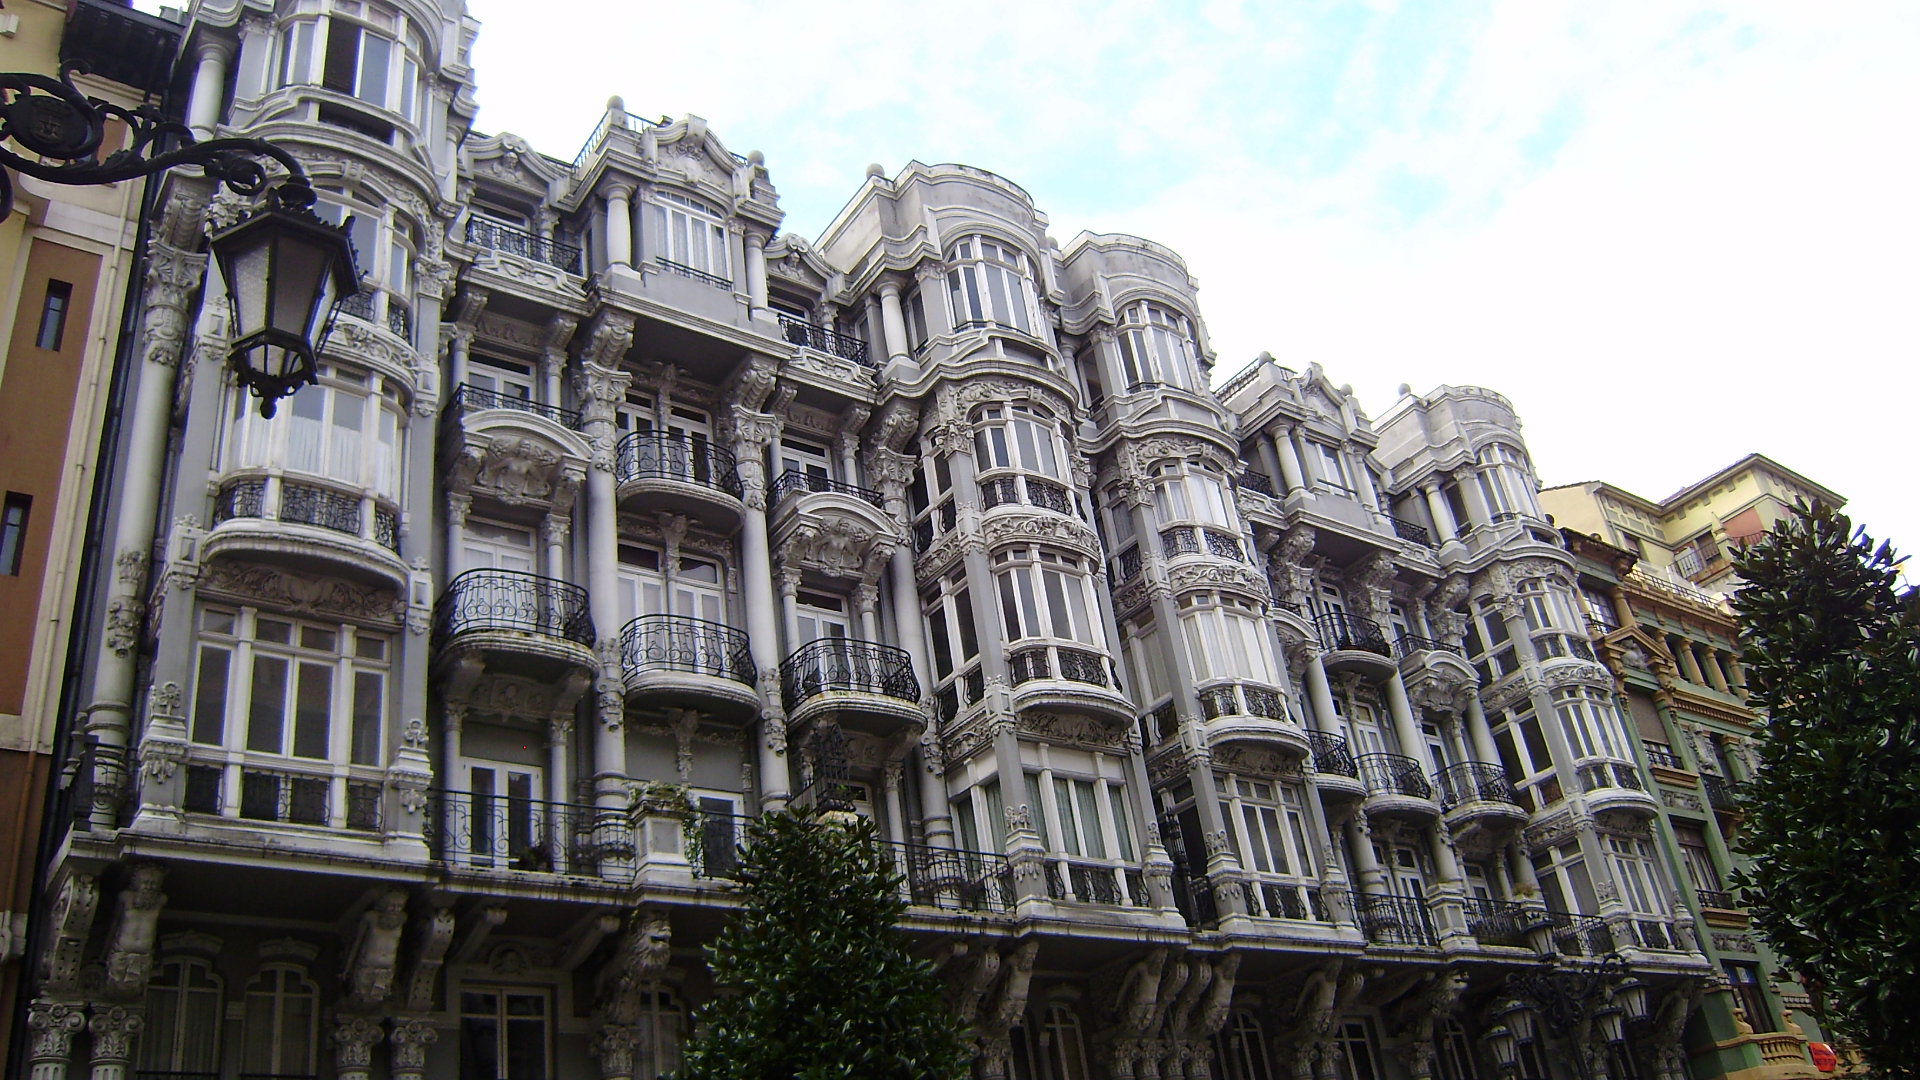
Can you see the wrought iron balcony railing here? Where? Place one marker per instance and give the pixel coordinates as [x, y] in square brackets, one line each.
[1663, 756]
[1258, 483]
[1199, 539]
[1717, 898]
[513, 600]
[470, 398]
[308, 504]
[1411, 531]
[1498, 922]
[686, 271]
[1722, 794]
[678, 643]
[1113, 884]
[1276, 899]
[1344, 631]
[1407, 644]
[1059, 662]
[1126, 566]
[1580, 935]
[1332, 755]
[666, 455]
[794, 482]
[499, 236]
[1394, 774]
[1596, 774]
[1474, 781]
[1394, 920]
[485, 830]
[820, 339]
[1243, 699]
[957, 880]
[831, 664]
[292, 796]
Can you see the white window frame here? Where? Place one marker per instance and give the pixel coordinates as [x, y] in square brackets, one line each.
[309, 438]
[991, 282]
[692, 233]
[1157, 346]
[1042, 592]
[1227, 640]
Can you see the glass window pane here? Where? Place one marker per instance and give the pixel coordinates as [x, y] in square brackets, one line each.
[210, 696]
[368, 687]
[312, 710]
[267, 707]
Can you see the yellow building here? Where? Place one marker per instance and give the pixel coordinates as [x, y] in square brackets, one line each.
[65, 257]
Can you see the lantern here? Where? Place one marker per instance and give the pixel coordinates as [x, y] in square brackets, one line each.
[1632, 996]
[1506, 1053]
[286, 270]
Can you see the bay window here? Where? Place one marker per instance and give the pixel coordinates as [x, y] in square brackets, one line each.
[1087, 823]
[1487, 643]
[980, 815]
[1591, 723]
[1196, 514]
[990, 283]
[954, 643]
[1523, 753]
[1565, 884]
[385, 247]
[374, 56]
[691, 234]
[1269, 831]
[332, 458]
[1157, 345]
[1506, 481]
[1045, 594]
[1013, 447]
[290, 715]
[1640, 886]
[1227, 638]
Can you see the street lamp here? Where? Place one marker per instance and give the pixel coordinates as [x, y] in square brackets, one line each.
[286, 269]
[1565, 998]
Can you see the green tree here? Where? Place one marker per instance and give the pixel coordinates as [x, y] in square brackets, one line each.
[1832, 651]
[816, 979]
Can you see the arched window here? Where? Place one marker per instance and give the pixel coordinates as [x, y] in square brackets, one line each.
[990, 283]
[183, 1019]
[1241, 1049]
[1157, 346]
[1062, 1050]
[281, 1011]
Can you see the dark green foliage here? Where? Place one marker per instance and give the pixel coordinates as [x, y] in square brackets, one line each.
[816, 979]
[1832, 651]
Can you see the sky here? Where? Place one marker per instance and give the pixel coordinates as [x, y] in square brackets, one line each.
[1673, 232]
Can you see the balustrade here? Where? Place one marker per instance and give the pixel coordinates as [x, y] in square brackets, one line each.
[1332, 755]
[470, 398]
[1474, 781]
[484, 830]
[795, 482]
[513, 600]
[498, 236]
[843, 664]
[1059, 661]
[820, 339]
[1498, 922]
[678, 643]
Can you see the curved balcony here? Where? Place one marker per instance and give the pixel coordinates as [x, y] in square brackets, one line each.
[867, 686]
[1067, 678]
[670, 472]
[675, 660]
[525, 624]
[1006, 488]
[1352, 643]
[1478, 795]
[1220, 543]
[278, 519]
[473, 399]
[827, 527]
[1396, 787]
[1336, 773]
[1251, 714]
[1614, 784]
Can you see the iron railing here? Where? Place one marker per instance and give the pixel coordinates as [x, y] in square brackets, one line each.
[831, 664]
[1663, 756]
[1498, 922]
[499, 236]
[1332, 755]
[469, 397]
[1259, 483]
[1474, 781]
[1198, 539]
[1407, 644]
[1075, 665]
[1223, 544]
[1598, 774]
[1341, 630]
[305, 504]
[820, 339]
[679, 643]
[240, 499]
[513, 600]
[1179, 541]
[1285, 900]
[1722, 794]
[500, 832]
[1243, 699]
[1049, 496]
[1580, 935]
[1717, 898]
[295, 798]
[1394, 774]
[671, 456]
[686, 271]
[1112, 884]
[1411, 531]
[1394, 920]
[1126, 566]
[1653, 934]
[954, 879]
[399, 318]
[794, 482]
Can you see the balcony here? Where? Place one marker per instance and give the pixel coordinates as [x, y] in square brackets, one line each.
[471, 399]
[497, 236]
[1579, 936]
[1411, 532]
[1202, 540]
[1087, 882]
[1406, 646]
[1251, 714]
[675, 660]
[931, 877]
[1337, 773]
[354, 530]
[289, 795]
[664, 471]
[525, 624]
[1722, 794]
[1258, 483]
[1020, 489]
[1662, 756]
[1352, 643]
[1398, 921]
[1612, 784]
[1478, 795]
[868, 686]
[1717, 898]
[1503, 923]
[494, 833]
[397, 320]
[1069, 678]
[1396, 787]
[820, 339]
[795, 482]
[1270, 898]
[1653, 934]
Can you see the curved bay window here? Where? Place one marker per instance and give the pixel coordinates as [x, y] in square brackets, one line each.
[1047, 594]
[1019, 456]
[1523, 752]
[1488, 645]
[288, 721]
[1087, 825]
[1269, 832]
[1506, 481]
[1196, 514]
[1157, 346]
[1553, 619]
[364, 50]
[1227, 639]
[386, 244]
[990, 283]
[1594, 730]
[954, 643]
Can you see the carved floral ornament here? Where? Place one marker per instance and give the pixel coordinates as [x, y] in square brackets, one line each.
[303, 594]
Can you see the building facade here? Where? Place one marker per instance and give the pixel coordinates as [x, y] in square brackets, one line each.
[67, 254]
[1655, 582]
[1215, 732]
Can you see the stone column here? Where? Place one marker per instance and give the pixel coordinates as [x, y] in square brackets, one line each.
[1444, 528]
[459, 352]
[756, 246]
[353, 1038]
[893, 322]
[790, 609]
[620, 226]
[1477, 513]
[1362, 480]
[116, 1031]
[409, 1039]
[1479, 733]
[1373, 880]
[209, 84]
[1320, 696]
[1689, 663]
[1715, 677]
[753, 432]
[1292, 478]
[893, 776]
[601, 387]
[1406, 728]
[52, 1025]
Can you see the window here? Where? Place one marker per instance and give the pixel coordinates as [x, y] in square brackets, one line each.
[1636, 876]
[982, 817]
[951, 636]
[182, 1033]
[376, 62]
[1599, 609]
[1192, 495]
[1227, 639]
[384, 246]
[1240, 1049]
[1696, 856]
[14, 512]
[1591, 723]
[1329, 468]
[1564, 881]
[914, 308]
[502, 377]
[1506, 481]
[1743, 980]
[1523, 753]
[662, 1029]
[691, 234]
[344, 429]
[1353, 1055]
[503, 1034]
[1045, 594]
[808, 458]
[1061, 1048]
[695, 588]
[53, 316]
[1265, 820]
[990, 283]
[1016, 437]
[1086, 818]
[1488, 645]
[1157, 345]
[315, 693]
[281, 1011]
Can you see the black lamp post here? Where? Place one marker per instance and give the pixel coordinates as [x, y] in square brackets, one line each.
[286, 270]
[1562, 999]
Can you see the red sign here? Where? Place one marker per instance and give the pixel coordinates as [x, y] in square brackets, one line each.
[1824, 1058]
